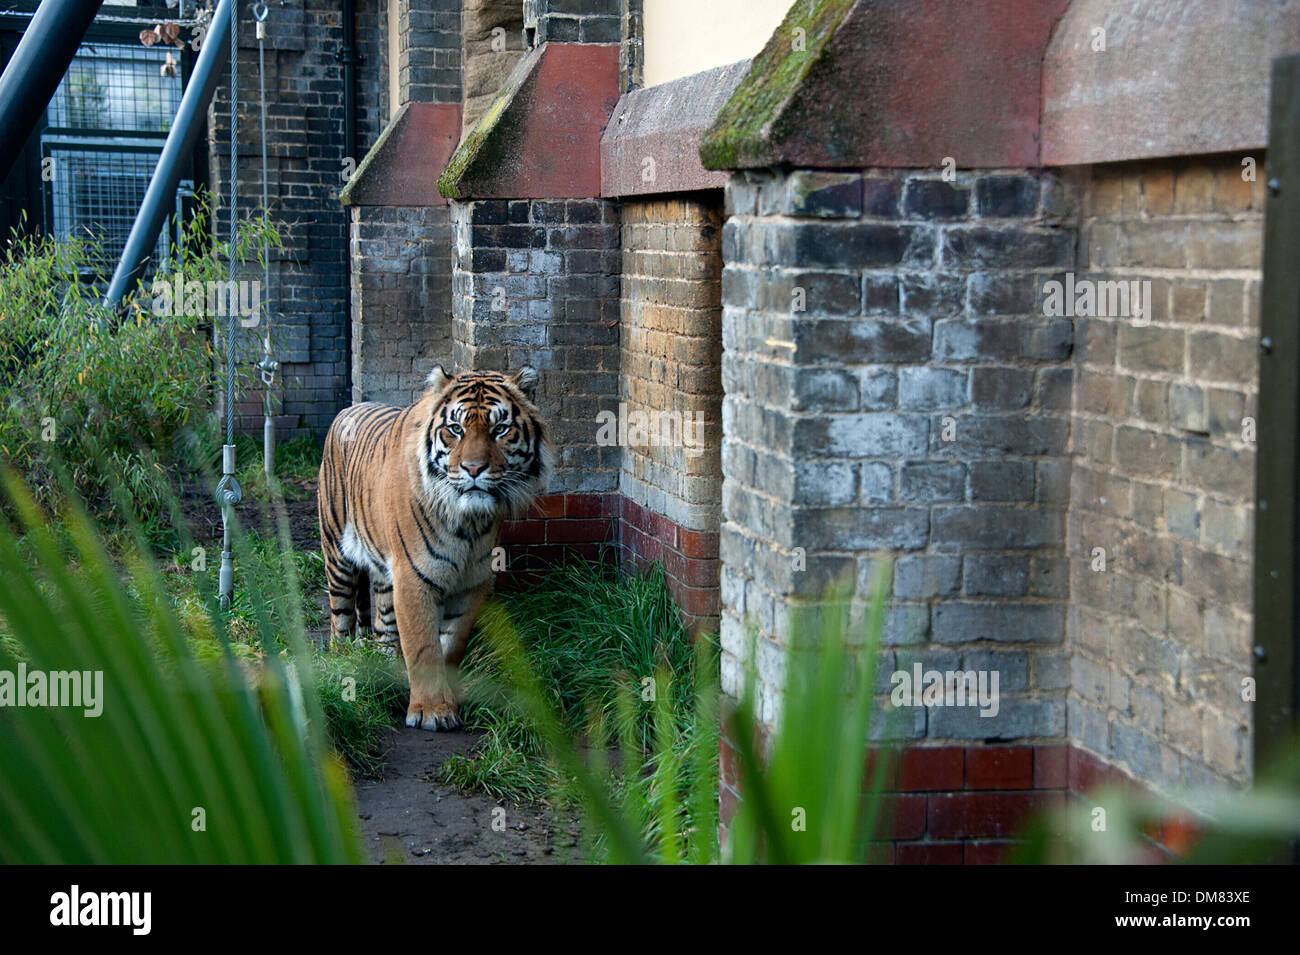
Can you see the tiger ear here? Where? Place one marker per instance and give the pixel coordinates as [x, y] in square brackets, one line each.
[526, 380]
[438, 379]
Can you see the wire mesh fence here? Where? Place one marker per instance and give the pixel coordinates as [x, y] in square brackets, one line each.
[97, 190]
[105, 128]
[117, 87]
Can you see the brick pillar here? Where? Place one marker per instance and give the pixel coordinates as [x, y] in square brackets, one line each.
[892, 390]
[536, 282]
[671, 374]
[401, 298]
[1164, 470]
[400, 241]
[428, 51]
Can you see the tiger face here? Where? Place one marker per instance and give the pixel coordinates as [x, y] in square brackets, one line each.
[485, 449]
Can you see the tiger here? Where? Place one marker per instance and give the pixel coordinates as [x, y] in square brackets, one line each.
[411, 501]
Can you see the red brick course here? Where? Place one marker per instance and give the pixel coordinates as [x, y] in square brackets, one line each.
[610, 528]
[954, 805]
[689, 558]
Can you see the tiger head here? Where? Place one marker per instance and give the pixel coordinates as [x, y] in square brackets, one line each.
[484, 447]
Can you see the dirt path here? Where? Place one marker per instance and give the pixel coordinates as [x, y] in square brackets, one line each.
[409, 817]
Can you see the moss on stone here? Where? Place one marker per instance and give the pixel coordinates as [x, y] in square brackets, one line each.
[739, 134]
[484, 145]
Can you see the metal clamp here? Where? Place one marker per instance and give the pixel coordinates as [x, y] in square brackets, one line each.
[229, 492]
[259, 14]
[268, 367]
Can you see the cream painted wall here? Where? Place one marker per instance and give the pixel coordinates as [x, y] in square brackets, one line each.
[686, 36]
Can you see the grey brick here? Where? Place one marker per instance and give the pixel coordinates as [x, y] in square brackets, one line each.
[877, 483]
[861, 341]
[1002, 481]
[1012, 667]
[825, 389]
[932, 481]
[1001, 387]
[931, 293]
[1005, 293]
[874, 434]
[862, 529]
[935, 199]
[968, 622]
[930, 388]
[1017, 718]
[925, 575]
[996, 575]
[981, 247]
[823, 194]
[1006, 197]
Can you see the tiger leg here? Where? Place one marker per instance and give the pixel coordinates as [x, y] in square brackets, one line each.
[341, 578]
[364, 621]
[457, 625]
[385, 615]
[432, 704]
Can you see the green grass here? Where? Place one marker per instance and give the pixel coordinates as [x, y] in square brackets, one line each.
[614, 663]
[296, 460]
[804, 800]
[116, 408]
[261, 604]
[363, 694]
[190, 761]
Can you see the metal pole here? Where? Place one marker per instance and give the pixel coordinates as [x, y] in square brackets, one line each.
[35, 70]
[1277, 459]
[268, 365]
[228, 490]
[181, 140]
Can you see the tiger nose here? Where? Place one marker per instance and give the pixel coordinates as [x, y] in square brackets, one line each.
[475, 468]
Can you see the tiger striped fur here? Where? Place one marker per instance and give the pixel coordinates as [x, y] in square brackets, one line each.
[411, 502]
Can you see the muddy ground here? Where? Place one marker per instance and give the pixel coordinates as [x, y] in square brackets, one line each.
[408, 817]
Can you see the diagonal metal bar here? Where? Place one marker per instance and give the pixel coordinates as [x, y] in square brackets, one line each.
[181, 140]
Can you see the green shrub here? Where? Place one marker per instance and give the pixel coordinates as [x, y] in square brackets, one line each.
[122, 402]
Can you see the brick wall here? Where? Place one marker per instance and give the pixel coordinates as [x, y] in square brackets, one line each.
[1163, 479]
[971, 805]
[891, 390]
[400, 261]
[308, 294]
[536, 282]
[671, 344]
[559, 528]
[579, 21]
[401, 299]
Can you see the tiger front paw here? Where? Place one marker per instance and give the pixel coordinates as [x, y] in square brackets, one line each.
[434, 716]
